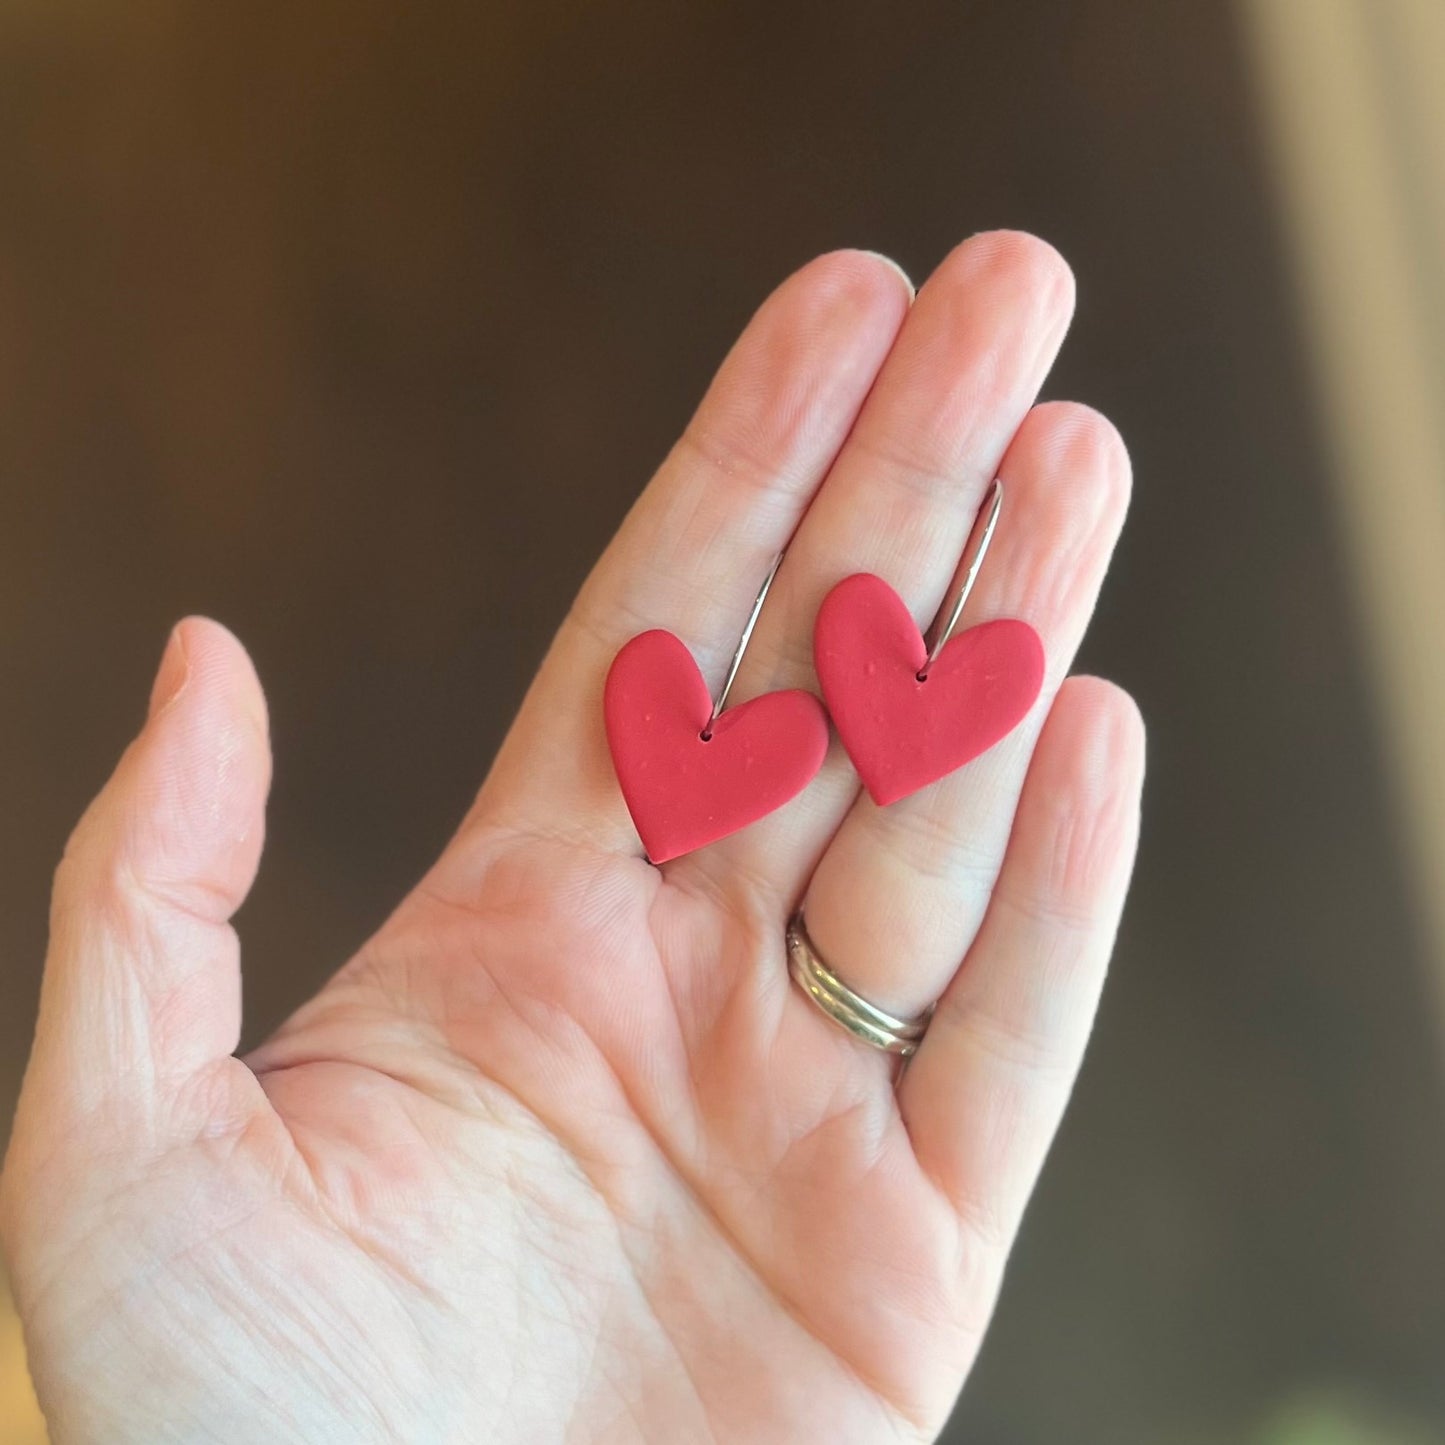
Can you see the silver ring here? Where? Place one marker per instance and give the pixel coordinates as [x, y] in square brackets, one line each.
[829, 993]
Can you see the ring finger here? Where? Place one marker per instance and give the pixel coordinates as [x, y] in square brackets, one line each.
[900, 893]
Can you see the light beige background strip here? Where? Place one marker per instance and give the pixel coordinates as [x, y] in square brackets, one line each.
[1352, 98]
[20, 1422]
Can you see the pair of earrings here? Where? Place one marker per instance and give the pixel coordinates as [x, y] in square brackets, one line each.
[908, 711]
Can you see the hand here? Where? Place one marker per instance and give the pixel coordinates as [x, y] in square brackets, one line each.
[561, 1154]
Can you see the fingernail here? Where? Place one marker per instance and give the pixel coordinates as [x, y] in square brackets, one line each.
[174, 670]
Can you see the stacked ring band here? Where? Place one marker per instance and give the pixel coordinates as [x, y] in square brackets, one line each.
[852, 1011]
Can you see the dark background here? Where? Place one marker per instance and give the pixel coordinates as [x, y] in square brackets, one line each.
[358, 326]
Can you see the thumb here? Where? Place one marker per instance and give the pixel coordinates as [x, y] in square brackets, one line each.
[142, 991]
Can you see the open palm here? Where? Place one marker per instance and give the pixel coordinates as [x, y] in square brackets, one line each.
[562, 1154]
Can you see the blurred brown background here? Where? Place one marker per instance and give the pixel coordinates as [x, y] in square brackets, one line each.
[358, 326]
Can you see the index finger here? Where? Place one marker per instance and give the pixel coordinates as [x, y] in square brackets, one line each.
[693, 550]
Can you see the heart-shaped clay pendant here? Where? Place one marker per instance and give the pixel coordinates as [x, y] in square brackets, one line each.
[685, 789]
[903, 733]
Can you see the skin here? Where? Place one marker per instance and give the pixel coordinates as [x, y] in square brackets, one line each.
[561, 1154]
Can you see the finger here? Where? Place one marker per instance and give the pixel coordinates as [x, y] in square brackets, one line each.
[141, 992]
[901, 498]
[984, 1094]
[900, 893]
[694, 550]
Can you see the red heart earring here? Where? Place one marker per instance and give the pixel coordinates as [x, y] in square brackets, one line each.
[910, 713]
[691, 773]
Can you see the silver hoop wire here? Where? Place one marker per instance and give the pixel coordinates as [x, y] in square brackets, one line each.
[943, 630]
[720, 701]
